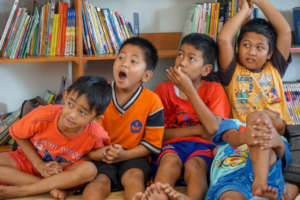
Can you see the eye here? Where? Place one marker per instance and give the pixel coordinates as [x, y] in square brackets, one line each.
[134, 61]
[83, 113]
[179, 54]
[120, 57]
[260, 48]
[246, 45]
[192, 59]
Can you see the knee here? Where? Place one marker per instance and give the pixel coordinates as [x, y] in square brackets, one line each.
[170, 161]
[87, 171]
[196, 165]
[132, 176]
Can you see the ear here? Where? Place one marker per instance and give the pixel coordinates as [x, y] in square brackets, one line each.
[148, 74]
[269, 56]
[206, 69]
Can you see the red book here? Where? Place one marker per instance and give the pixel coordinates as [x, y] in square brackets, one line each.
[64, 25]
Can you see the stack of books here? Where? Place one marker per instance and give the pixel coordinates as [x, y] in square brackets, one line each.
[208, 18]
[6, 120]
[42, 33]
[292, 94]
[104, 30]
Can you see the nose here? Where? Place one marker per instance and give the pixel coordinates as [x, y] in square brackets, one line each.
[252, 51]
[182, 61]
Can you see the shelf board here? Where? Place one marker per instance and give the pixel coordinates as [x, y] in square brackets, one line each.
[40, 59]
[5, 148]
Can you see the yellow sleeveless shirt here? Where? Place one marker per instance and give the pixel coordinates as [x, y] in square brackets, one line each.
[251, 91]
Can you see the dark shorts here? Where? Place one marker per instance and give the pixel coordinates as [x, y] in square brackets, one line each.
[116, 171]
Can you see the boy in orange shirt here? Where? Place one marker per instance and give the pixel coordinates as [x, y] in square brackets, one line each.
[134, 122]
[52, 139]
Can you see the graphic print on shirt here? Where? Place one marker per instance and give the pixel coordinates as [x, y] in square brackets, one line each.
[237, 159]
[245, 89]
[47, 157]
[184, 119]
[136, 126]
[266, 83]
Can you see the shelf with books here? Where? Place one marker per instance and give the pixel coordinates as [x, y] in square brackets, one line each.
[40, 59]
[5, 148]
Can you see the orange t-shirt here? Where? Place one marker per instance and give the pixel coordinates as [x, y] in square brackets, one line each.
[40, 127]
[139, 121]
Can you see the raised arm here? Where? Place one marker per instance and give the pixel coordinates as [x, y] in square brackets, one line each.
[280, 24]
[228, 32]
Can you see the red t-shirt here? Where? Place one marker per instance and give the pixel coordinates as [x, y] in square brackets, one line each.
[40, 127]
[179, 113]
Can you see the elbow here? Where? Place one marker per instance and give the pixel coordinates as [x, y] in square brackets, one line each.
[213, 130]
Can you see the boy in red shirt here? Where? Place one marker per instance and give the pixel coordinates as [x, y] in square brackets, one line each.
[191, 105]
[52, 139]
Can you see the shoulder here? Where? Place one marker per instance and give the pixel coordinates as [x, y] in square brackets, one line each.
[44, 113]
[96, 130]
[149, 96]
[164, 86]
[211, 86]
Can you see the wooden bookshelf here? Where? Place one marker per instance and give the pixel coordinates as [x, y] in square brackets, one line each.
[5, 148]
[166, 44]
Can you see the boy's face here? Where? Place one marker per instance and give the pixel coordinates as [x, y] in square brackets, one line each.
[130, 69]
[76, 113]
[254, 51]
[190, 60]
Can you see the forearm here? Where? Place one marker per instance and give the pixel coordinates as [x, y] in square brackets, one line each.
[137, 152]
[280, 150]
[232, 26]
[30, 152]
[205, 116]
[172, 133]
[97, 154]
[233, 137]
[274, 16]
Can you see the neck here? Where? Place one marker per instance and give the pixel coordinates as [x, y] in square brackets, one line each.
[123, 95]
[68, 132]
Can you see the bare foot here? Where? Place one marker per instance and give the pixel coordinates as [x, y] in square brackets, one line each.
[155, 192]
[58, 194]
[290, 191]
[265, 191]
[172, 193]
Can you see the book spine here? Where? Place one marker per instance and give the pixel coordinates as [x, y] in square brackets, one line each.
[101, 31]
[32, 31]
[73, 32]
[296, 19]
[97, 30]
[54, 35]
[110, 29]
[59, 29]
[10, 32]
[64, 32]
[86, 32]
[24, 38]
[68, 34]
[13, 33]
[50, 27]
[105, 30]
[8, 23]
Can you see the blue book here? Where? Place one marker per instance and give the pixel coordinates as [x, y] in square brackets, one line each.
[136, 23]
[296, 17]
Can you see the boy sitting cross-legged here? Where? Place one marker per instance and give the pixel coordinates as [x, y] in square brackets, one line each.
[134, 122]
[191, 105]
[52, 139]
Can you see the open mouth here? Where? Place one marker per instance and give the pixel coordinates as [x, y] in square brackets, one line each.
[250, 60]
[122, 75]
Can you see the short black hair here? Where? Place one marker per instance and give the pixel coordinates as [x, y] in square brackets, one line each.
[260, 26]
[148, 48]
[96, 89]
[203, 43]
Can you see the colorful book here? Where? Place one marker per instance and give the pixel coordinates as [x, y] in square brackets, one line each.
[86, 33]
[9, 22]
[296, 19]
[54, 35]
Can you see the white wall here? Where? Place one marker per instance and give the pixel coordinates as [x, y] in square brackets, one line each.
[25, 80]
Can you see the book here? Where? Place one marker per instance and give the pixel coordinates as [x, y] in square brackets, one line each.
[105, 30]
[54, 35]
[9, 22]
[86, 33]
[64, 27]
[296, 19]
[136, 23]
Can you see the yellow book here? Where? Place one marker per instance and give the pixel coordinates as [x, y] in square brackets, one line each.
[212, 18]
[232, 8]
[54, 35]
[217, 20]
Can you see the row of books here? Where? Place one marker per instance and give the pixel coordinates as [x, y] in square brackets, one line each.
[6, 120]
[292, 94]
[44, 33]
[104, 30]
[209, 17]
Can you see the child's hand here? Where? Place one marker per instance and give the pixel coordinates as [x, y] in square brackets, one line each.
[246, 5]
[180, 79]
[114, 154]
[49, 168]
